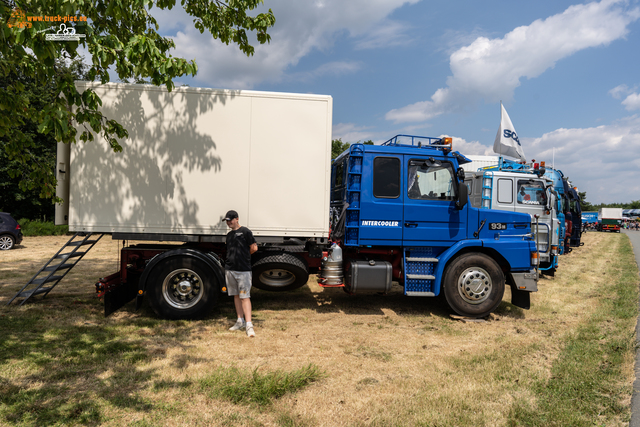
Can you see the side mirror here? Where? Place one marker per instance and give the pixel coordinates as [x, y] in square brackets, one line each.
[463, 195]
[460, 173]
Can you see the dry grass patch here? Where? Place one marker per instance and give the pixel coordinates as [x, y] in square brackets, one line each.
[368, 360]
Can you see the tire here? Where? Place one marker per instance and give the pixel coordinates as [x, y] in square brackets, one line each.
[474, 285]
[279, 272]
[7, 242]
[182, 287]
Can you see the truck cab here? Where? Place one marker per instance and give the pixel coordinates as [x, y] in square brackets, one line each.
[405, 203]
[576, 217]
[518, 188]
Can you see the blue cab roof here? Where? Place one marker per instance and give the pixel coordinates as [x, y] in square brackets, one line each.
[410, 145]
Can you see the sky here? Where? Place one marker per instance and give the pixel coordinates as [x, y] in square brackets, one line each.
[567, 72]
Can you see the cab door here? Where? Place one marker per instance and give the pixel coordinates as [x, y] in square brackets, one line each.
[381, 200]
[431, 217]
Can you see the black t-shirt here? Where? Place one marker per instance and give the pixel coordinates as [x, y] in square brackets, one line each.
[238, 255]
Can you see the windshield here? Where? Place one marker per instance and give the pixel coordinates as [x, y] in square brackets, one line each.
[431, 182]
[531, 192]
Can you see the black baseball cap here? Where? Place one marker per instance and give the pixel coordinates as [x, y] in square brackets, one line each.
[230, 215]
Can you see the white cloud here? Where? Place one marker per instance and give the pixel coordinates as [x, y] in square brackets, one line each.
[472, 148]
[632, 98]
[603, 160]
[491, 69]
[632, 102]
[301, 27]
[337, 68]
[386, 34]
[349, 132]
[619, 91]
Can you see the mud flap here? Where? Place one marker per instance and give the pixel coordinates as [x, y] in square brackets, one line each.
[117, 294]
[116, 298]
[520, 298]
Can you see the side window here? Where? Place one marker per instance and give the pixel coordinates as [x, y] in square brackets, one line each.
[469, 184]
[339, 175]
[337, 189]
[505, 190]
[574, 206]
[531, 192]
[386, 177]
[431, 180]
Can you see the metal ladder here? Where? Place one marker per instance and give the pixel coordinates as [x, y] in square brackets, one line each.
[487, 190]
[420, 266]
[354, 180]
[60, 263]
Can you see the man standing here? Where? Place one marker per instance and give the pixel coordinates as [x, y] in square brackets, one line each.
[240, 245]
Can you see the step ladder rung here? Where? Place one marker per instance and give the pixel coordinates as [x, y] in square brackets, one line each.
[70, 255]
[58, 267]
[420, 294]
[421, 277]
[421, 259]
[82, 242]
[31, 293]
[46, 280]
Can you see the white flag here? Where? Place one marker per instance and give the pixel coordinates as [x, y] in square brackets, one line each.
[507, 142]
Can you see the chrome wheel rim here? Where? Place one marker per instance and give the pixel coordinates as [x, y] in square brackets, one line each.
[474, 285]
[277, 277]
[5, 243]
[182, 288]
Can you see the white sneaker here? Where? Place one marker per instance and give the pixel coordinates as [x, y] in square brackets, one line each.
[250, 332]
[238, 326]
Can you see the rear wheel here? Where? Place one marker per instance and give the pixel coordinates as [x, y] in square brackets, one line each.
[474, 285]
[279, 272]
[182, 287]
[6, 242]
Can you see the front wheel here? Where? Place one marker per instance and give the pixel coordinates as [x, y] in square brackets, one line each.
[473, 285]
[182, 287]
[6, 242]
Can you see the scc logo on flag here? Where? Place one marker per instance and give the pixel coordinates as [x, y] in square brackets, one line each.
[510, 134]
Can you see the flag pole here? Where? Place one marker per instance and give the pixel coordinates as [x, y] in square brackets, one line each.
[499, 130]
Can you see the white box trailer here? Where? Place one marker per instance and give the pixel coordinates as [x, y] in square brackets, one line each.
[610, 213]
[478, 161]
[192, 154]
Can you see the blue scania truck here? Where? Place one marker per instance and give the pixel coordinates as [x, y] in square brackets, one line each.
[400, 212]
[376, 216]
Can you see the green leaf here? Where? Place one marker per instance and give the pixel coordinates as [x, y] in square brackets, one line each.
[121, 36]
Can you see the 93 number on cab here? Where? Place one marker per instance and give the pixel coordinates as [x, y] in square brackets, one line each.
[497, 226]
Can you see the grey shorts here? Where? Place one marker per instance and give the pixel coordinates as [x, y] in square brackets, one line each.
[238, 283]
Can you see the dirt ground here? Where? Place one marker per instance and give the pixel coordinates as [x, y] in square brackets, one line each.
[389, 360]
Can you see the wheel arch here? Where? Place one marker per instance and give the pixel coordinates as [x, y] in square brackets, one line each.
[209, 258]
[457, 251]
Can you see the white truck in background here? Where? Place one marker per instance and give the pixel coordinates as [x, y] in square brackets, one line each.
[478, 161]
[610, 219]
[518, 188]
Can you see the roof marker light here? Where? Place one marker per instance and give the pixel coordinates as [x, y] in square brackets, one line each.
[447, 141]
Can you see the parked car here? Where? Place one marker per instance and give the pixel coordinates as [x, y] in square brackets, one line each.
[10, 232]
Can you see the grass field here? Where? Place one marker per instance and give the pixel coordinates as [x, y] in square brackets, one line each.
[322, 357]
